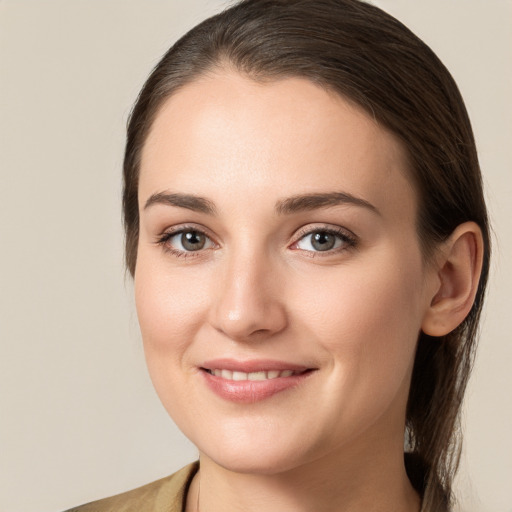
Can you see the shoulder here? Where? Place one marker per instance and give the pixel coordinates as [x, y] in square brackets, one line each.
[164, 495]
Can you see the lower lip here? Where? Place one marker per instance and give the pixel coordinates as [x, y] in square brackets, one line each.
[250, 391]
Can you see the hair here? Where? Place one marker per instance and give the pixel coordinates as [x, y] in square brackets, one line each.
[370, 58]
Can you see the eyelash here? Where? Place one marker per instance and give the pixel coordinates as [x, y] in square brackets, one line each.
[347, 238]
[164, 238]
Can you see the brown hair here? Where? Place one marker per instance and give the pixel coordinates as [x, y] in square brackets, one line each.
[365, 55]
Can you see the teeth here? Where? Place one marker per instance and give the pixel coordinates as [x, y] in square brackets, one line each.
[262, 375]
[257, 376]
[226, 374]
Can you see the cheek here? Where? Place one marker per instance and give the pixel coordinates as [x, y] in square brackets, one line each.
[366, 297]
[368, 318]
[167, 302]
[170, 311]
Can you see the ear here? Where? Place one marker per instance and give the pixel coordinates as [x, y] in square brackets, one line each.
[458, 268]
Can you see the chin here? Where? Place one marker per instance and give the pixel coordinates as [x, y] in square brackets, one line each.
[255, 462]
[264, 454]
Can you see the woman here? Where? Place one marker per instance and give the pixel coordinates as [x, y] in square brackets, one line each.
[307, 233]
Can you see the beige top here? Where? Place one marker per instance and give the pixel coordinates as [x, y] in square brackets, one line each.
[165, 495]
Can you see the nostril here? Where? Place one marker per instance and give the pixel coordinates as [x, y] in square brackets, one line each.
[247, 307]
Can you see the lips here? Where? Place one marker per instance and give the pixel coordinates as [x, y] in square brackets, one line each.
[252, 381]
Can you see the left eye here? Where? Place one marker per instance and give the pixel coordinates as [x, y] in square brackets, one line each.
[188, 241]
[321, 241]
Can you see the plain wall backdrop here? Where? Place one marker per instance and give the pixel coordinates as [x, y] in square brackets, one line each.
[78, 416]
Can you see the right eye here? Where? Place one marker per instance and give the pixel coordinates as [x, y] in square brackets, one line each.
[185, 241]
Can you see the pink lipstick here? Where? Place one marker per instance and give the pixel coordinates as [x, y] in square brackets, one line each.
[252, 381]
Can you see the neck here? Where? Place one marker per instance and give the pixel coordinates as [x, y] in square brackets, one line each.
[352, 481]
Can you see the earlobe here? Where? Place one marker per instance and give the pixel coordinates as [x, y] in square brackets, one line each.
[459, 267]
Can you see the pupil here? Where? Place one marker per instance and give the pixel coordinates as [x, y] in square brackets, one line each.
[322, 241]
[193, 241]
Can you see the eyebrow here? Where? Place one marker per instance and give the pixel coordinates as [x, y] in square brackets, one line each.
[287, 206]
[188, 201]
[321, 200]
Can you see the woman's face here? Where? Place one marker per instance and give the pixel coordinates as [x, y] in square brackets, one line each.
[280, 286]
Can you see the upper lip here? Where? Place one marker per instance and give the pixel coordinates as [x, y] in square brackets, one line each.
[253, 365]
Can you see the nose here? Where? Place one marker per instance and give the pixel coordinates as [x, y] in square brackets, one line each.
[249, 301]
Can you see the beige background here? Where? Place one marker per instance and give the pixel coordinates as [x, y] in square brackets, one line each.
[78, 417]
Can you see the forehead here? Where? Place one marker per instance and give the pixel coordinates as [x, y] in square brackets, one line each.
[226, 131]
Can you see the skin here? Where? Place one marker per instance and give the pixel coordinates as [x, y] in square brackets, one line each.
[259, 289]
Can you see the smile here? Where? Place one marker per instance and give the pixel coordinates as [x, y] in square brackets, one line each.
[252, 381]
[253, 376]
